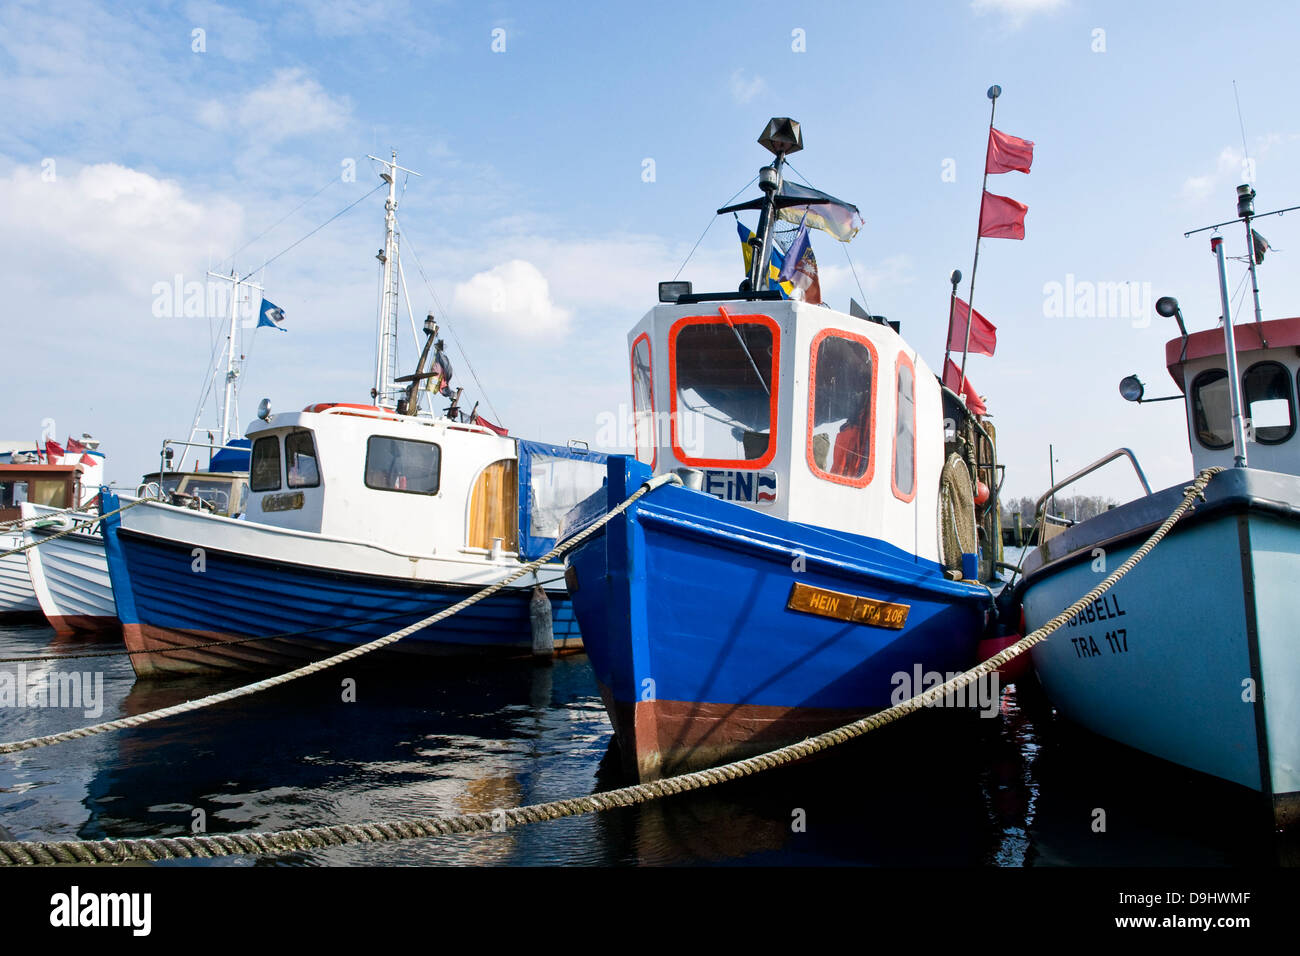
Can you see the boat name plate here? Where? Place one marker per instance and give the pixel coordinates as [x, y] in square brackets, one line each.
[847, 607]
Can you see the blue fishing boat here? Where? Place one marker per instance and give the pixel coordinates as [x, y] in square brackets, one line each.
[819, 557]
[1192, 656]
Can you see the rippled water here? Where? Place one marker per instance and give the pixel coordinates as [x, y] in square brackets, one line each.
[944, 788]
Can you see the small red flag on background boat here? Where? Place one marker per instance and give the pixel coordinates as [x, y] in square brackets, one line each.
[88, 460]
[52, 450]
[73, 446]
[480, 420]
[952, 378]
[1002, 217]
[983, 333]
[1008, 153]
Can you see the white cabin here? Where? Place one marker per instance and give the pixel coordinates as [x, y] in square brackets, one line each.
[798, 410]
[1270, 381]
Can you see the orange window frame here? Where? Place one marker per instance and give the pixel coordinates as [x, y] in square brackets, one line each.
[725, 318]
[866, 477]
[636, 437]
[903, 361]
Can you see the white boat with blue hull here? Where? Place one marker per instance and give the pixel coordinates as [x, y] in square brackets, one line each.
[1193, 656]
[361, 519]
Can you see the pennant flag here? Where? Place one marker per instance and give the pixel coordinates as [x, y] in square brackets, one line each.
[52, 450]
[270, 316]
[478, 419]
[1001, 217]
[775, 263]
[1008, 153]
[1261, 247]
[88, 460]
[952, 378]
[800, 267]
[73, 446]
[823, 211]
[983, 333]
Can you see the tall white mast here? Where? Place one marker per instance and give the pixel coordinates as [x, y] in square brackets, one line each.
[385, 391]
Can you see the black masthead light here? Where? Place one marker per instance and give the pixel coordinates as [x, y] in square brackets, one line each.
[1131, 388]
[782, 136]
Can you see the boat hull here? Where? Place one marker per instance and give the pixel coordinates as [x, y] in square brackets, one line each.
[169, 601]
[1192, 656]
[18, 602]
[70, 578]
[683, 602]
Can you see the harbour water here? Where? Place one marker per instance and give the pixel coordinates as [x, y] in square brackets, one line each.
[946, 788]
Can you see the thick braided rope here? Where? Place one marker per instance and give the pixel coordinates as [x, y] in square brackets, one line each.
[348, 655]
[121, 851]
[76, 526]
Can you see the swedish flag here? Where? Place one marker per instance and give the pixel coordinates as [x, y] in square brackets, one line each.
[775, 263]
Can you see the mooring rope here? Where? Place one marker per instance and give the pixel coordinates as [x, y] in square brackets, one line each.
[351, 654]
[76, 526]
[310, 838]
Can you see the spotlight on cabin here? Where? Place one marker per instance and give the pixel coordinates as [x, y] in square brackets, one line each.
[1167, 306]
[1131, 387]
[672, 291]
[264, 409]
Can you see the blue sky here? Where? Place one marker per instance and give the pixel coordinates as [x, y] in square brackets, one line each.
[128, 157]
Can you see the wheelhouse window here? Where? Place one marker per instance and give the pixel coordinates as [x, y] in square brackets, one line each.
[841, 408]
[300, 460]
[1212, 409]
[723, 371]
[643, 402]
[399, 464]
[1266, 393]
[264, 469]
[905, 432]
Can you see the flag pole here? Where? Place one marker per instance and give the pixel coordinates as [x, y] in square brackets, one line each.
[952, 309]
[993, 93]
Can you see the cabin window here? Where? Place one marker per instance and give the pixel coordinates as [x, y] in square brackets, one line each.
[1212, 409]
[555, 485]
[300, 460]
[643, 403]
[399, 464]
[1266, 393]
[723, 373]
[841, 407]
[905, 431]
[12, 493]
[494, 507]
[264, 469]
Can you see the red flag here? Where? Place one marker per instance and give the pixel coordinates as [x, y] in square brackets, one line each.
[480, 420]
[983, 334]
[1001, 217]
[52, 450]
[952, 377]
[1007, 153]
[88, 460]
[74, 447]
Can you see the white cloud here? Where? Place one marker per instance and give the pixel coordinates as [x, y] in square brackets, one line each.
[291, 104]
[513, 297]
[1016, 12]
[745, 88]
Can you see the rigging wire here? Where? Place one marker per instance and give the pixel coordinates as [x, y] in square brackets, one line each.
[231, 258]
[313, 232]
[712, 220]
[445, 318]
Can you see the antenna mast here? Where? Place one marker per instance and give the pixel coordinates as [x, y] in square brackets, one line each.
[385, 392]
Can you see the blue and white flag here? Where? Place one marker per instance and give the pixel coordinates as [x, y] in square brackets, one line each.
[271, 316]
